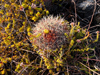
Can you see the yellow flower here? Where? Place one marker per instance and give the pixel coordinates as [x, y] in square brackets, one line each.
[9, 59]
[34, 18]
[3, 71]
[59, 61]
[6, 5]
[28, 29]
[18, 66]
[31, 12]
[29, 7]
[8, 18]
[23, 23]
[66, 35]
[47, 12]
[7, 14]
[51, 71]
[38, 14]
[46, 31]
[38, 35]
[1, 12]
[71, 43]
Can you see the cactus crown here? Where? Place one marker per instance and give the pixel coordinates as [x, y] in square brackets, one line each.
[52, 31]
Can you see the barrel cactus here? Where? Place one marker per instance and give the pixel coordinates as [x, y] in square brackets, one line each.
[49, 33]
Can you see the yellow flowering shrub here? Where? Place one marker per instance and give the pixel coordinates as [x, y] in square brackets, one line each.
[16, 19]
[32, 46]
